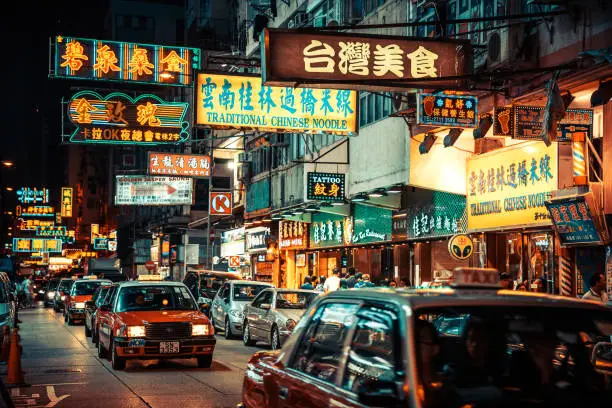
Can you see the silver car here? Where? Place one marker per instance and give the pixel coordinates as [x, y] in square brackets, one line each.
[226, 307]
[273, 314]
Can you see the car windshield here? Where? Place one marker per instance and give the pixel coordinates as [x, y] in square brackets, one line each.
[502, 356]
[65, 285]
[145, 298]
[86, 288]
[294, 300]
[246, 291]
[53, 284]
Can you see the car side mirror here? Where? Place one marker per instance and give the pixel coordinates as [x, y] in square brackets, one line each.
[379, 394]
[105, 308]
[265, 306]
[602, 357]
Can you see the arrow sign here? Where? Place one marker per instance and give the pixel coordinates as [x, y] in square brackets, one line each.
[220, 203]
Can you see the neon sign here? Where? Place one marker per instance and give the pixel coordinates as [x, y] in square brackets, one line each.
[66, 204]
[28, 195]
[31, 224]
[37, 211]
[37, 245]
[118, 118]
[84, 58]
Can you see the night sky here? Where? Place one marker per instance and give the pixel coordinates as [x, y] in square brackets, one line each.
[30, 111]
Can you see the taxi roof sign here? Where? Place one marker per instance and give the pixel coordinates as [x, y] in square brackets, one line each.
[475, 278]
[90, 277]
[156, 277]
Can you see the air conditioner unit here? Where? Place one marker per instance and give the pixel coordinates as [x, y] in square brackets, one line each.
[503, 46]
[245, 157]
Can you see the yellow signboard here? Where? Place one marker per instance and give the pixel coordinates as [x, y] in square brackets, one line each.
[508, 187]
[66, 205]
[241, 102]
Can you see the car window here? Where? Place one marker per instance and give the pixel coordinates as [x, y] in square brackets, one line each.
[224, 293]
[85, 288]
[294, 300]
[373, 354]
[110, 296]
[101, 294]
[264, 297]
[65, 285]
[320, 350]
[513, 353]
[143, 298]
[246, 292]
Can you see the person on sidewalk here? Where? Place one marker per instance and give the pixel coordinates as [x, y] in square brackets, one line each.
[307, 283]
[597, 292]
[332, 283]
[320, 287]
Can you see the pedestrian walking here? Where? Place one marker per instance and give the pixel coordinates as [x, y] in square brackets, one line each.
[351, 280]
[333, 282]
[597, 292]
[365, 282]
[307, 283]
[321, 286]
[29, 292]
[393, 284]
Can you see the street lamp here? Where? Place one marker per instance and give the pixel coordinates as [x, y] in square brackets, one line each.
[7, 163]
[9, 189]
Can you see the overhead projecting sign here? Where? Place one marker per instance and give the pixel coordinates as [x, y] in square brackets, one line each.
[118, 118]
[325, 186]
[153, 190]
[220, 203]
[85, 58]
[189, 165]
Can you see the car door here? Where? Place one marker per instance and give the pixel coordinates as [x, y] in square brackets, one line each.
[217, 309]
[104, 321]
[256, 314]
[310, 379]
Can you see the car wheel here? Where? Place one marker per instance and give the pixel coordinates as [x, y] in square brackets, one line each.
[87, 331]
[101, 351]
[204, 361]
[246, 335]
[117, 362]
[275, 339]
[228, 329]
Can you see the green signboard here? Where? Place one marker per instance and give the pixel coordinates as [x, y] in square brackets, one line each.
[326, 230]
[434, 214]
[371, 224]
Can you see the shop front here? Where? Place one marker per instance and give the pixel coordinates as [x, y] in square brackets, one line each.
[257, 243]
[293, 242]
[507, 192]
[432, 218]
[233, 251]
[327, 239]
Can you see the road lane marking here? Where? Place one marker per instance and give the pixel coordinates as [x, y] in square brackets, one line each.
[54, 399]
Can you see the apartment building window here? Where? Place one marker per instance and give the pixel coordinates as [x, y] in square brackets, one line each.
[373, 107]
[371, 5]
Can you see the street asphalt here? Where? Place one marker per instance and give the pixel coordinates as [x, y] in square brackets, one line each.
[63, 370]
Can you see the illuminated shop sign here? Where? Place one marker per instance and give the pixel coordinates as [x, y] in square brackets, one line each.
[31, 224]
[242, 102]
[28, 195]
[525, 122]
[361, 61]
[153, 190]
[84, 58]
[100, 244]
[574, 221]
[447, 110]
[370, 224]
[37, 245]
[55, 231]
[257, 239]
[189, 165]
[293, 235]
[434, 214]
[37, 211]
[508, 187]
[327, 230]
[118, 118]
[325, 186]
[66, 204]
[232, 242]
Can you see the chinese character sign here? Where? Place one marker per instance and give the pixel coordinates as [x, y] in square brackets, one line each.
[153, 190]
[29, 195]
[337, 60]
[45, 231]
[293, 235]
[37, 211]
[326, 230]
[37, 245]
[31, 224]
[188, 165]
[448, 110]
[118, 118]
[66, 204]
[242, 102]
[509, 187]
[325, 186]
[573, 221]
[83, 58]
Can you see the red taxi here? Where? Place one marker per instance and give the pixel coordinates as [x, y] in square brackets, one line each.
[153, 320]
[81, 292]
[471, 345]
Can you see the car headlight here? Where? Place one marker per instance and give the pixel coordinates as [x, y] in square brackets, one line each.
[51, 294]
[290, 324]
[136, 331]
[200, 330]
[79, 305]
[41, 291]
[236, 313]
[63, 297]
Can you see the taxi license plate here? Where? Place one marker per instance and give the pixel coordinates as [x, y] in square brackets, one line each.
[169, 347]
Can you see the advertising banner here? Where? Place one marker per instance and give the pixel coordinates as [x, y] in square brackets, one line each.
[153, 190]
[447, 110]
[242, 102]
[360, 61]
[86, 58]
[293, 235]
[118, 118]
[37, 245]
[509, 187]
[325, 186]
[188, 165]
[573, 221]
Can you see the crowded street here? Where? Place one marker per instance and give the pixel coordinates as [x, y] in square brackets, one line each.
[63, 370]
